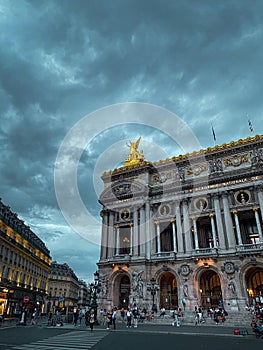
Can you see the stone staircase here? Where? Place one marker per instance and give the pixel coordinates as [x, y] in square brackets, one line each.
[234, 319]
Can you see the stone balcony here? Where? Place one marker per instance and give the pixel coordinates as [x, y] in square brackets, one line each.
[203, 252]
[249, 248]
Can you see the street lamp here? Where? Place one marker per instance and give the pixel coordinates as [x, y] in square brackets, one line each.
[94, 291]
[153, 288]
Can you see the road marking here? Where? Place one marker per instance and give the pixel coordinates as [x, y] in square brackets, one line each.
[71, 340]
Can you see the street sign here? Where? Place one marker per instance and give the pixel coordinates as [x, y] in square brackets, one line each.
[61, 300]
[26, 299]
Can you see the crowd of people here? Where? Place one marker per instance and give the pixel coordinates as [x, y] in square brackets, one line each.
[133, 315]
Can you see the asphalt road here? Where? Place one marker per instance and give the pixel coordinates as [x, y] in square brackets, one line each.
[146, 336]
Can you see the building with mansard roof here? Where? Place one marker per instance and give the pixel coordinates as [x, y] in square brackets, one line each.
[63, 289]
[24, 265]
[184, 230]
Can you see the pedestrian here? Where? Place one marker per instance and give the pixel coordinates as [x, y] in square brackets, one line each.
[75, 317]
[33, 318]
[196, 315]
[50, 315]
[114, 317]
[135, 314]
[87, 316]
[122, 313]
[109, 319]
[129, 317]
[104, 317]
[176, 318]
[91, 320]
[80, 315]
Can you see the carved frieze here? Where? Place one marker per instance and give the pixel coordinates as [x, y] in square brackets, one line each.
[185, 270]
[256, 156]
[196, 169]
[201, 203]
[236, 160]
[229, 267]
[161, 177]
[164, 210]
[215, 165]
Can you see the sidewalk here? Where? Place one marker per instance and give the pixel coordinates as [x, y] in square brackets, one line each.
[147, 327]
[203, 329]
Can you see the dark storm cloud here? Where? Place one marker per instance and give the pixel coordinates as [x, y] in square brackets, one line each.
[61, 60]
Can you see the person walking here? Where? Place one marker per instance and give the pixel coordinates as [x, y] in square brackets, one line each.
[114, 317]
[75, 317]
[104, 317]
[196, 315]
[122, 313]
[109, 319]
[135, 314]
[33, 318]
[91, 320]
[129, 317]
[176, 318]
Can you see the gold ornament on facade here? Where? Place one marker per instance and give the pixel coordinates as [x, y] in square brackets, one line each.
[196, 170]
[135, 156]
[137, 162]
[236, 160]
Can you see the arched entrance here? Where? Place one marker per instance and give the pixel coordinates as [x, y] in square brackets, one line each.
[124, 292]
[168, 291]
[210, 289]
[254, 282]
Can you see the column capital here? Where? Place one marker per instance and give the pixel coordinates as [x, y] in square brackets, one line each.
[235, 212]
[259, 187]
[215, 196]
[255, 209]
[211, 215]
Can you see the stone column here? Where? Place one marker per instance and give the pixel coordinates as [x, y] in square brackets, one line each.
[142, 231]
[136, 232]
[174, 237]
[213, 229]
[239, 238]
[111, 236]
[104, 235]
[179, 228]
[131, 239]
[258, 225]
[229, 224]
[219, 224]
[186, 229]
[195, 234]
[260, 199]
[158, 237]
[117, 233]
[152, 232]
[148, 239]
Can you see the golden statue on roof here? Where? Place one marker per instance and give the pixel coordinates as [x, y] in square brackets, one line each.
[135, 156]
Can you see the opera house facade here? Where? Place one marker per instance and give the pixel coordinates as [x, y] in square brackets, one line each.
[187, 229]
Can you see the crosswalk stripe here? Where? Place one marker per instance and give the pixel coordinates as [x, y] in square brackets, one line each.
[81, 340]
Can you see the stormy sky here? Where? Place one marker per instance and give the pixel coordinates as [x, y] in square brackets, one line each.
[64, 64]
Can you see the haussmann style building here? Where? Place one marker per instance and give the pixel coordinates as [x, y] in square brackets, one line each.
[24, 266]
[184, 230]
